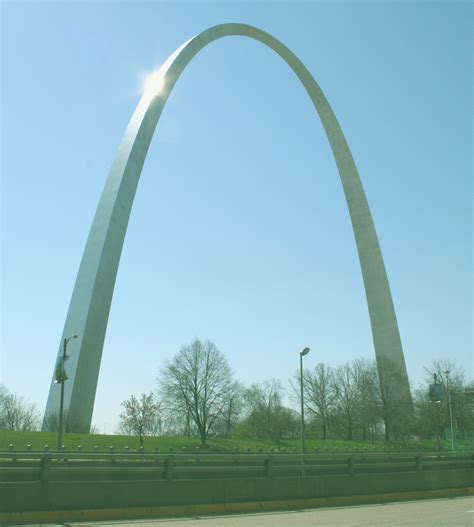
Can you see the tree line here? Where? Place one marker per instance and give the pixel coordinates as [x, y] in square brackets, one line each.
[16, 413]
[197, 395]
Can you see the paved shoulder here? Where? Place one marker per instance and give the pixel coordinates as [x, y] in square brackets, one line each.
[452, 512]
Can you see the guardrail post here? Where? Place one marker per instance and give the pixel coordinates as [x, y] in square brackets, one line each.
[268, 463]
[419, 462]
[351, 465]
[169, 462]
[45, 467]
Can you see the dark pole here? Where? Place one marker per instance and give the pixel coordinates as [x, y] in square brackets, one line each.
[438, 442]
[453, 444]
[61, 401]
[302, 404]
[302, 353]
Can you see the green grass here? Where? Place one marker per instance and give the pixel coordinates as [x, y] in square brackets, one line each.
[37, 440]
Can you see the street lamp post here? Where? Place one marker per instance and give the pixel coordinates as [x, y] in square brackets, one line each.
[453, 444]
[437, 401]
[61, 378]
[302, 354]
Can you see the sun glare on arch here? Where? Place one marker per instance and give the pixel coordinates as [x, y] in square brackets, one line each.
[153, 83]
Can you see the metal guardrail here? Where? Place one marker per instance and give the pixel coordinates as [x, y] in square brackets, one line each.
[65, 466]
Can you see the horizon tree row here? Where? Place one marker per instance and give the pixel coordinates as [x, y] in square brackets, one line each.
[197, 395]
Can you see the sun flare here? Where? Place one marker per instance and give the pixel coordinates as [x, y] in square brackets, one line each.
[153, 83]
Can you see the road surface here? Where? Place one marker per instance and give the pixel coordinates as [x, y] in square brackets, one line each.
[452, 512]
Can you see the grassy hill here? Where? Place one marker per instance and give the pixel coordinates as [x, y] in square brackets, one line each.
[38, 440]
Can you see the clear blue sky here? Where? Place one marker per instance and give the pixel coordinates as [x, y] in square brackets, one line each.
[240, 232]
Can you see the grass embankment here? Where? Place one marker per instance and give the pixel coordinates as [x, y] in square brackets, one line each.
[38, 440]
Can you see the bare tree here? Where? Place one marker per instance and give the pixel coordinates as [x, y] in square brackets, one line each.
[395, 410]
[430, 416]
[463, 414]
[365, 376]
[197, 383]
[463, 404]
[140, 416]
[16, 413]
[231, 411]
[319, 394]
[266, 417]
[345, 397]
[71, 422]
[441, 366]
[94, 430]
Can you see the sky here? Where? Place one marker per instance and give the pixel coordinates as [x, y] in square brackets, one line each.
[239, 232]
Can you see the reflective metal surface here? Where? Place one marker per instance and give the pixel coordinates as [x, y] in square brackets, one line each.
[92, 295]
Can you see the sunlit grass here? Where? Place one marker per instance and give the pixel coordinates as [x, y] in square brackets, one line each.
[38, 440]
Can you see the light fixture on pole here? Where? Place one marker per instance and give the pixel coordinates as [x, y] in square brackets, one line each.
[60, 378]
[453, 445]
[302, 354]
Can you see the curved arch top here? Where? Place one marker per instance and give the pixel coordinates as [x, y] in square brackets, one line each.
[92, 295]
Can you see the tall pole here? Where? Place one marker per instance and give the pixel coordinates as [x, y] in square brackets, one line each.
[62, 380]
[61, 401]
[437, 404]
[302, 404]
[302, 354]
[453, 446]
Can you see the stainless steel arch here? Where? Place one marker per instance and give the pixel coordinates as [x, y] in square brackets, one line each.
[90, 303]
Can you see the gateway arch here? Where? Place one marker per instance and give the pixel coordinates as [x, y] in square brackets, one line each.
[92, 295]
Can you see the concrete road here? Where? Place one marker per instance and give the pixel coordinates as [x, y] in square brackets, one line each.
[452, 512]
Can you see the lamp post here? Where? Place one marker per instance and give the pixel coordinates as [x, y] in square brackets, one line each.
[453, 444]
[302, 354]
[61, 379]
[435, 397]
